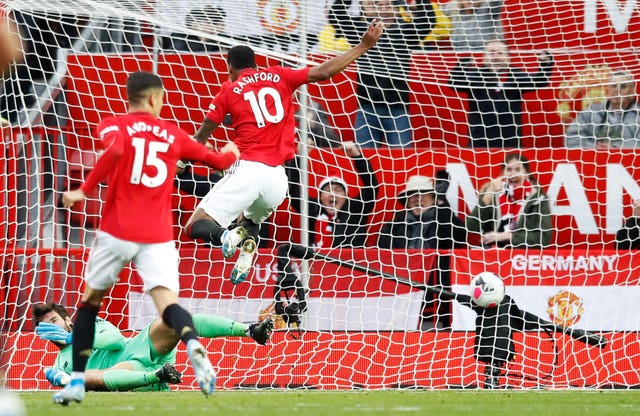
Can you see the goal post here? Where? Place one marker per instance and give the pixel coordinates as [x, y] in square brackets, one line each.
[363, 325]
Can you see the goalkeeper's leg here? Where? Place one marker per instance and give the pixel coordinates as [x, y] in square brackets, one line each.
[211, 326]
[122, 377]
[164, 339]
[492, 374]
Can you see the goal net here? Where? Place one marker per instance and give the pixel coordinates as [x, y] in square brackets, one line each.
[492, 136]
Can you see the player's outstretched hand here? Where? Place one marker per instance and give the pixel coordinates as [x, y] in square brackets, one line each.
[231, 147]
[351, 149]
[71, 197]
[52, 332]
[373, 33]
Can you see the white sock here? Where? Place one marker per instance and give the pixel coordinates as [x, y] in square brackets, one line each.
[77, 375]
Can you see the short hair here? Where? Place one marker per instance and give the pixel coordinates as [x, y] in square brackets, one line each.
[139, 83]
[241, 57]
[496, 39]
[39, 310]
[622, 74]
[519, 157]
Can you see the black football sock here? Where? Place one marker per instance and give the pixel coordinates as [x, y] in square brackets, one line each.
[84, 331]
[181, 321]
[207, 230]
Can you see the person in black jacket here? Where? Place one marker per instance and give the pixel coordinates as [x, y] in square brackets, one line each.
[335, 220]
[628, 237]
[495, 93]
[426, 220]
[383, 91]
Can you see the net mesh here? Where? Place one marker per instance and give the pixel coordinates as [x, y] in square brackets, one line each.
[387, 296]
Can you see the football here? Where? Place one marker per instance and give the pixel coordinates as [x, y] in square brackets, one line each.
[487, 290]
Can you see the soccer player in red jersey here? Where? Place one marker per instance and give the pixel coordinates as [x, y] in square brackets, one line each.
[139, 162]
[261, 106]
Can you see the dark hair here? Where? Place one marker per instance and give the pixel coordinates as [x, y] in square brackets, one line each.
[522, 159]
[139, 83]
[207, 14]
[39, 310]
[241, 57]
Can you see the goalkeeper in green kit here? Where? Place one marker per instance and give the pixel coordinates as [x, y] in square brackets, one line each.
[143, 362]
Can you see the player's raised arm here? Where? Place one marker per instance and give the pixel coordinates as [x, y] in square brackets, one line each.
[337, 64]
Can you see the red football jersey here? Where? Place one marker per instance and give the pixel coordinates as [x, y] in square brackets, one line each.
[260, 103]
[139, 163]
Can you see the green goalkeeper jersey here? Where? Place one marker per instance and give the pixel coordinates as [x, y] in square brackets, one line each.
[111, 347]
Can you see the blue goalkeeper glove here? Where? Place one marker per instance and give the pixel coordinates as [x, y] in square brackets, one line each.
[52, 332]
[56, 377]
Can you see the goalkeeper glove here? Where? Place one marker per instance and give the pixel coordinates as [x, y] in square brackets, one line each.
[52, 332]
[56, 377]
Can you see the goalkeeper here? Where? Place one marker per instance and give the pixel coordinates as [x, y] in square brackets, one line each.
[495, 325]
[143, 362]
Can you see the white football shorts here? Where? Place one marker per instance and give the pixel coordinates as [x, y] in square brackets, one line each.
[157, 264]
[251, 188]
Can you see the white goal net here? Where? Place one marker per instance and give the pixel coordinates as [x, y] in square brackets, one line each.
[490, 136]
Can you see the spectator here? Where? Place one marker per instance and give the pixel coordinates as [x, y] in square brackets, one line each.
[336, 220]
[613, 123]
[441, 29]
[628, 237]
[495, 90]
[512, 210]
[383, 92]
[40, 40]
[426, 220]
[475, 22]
[208, 20]
[328, 41]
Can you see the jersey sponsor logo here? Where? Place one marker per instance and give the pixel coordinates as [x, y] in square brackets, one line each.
[565, 308]
[543, 262]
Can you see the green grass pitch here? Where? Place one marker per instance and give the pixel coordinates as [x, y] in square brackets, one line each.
[333, 403]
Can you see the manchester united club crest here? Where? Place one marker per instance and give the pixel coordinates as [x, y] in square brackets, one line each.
[581, 90]
[565, 308]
